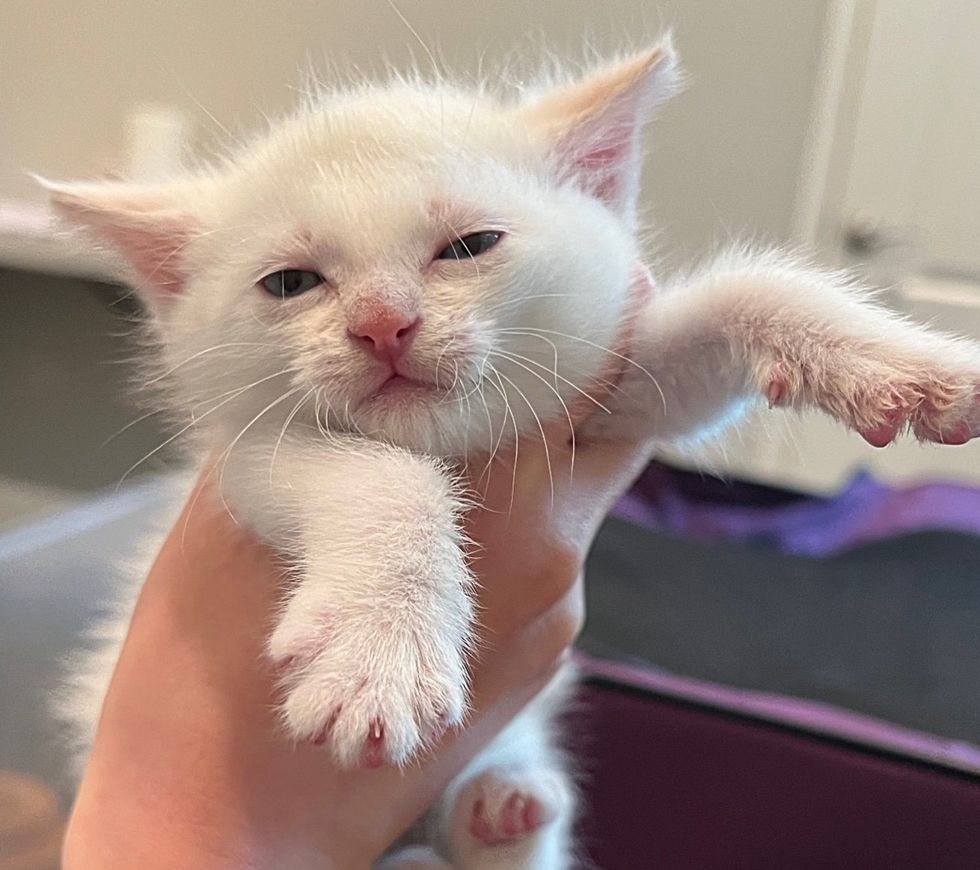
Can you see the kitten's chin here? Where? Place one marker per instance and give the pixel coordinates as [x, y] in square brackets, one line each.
[407, 414]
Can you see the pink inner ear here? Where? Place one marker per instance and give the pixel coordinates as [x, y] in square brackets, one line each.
[153, 252]
[604, 167]
[593, 125]
[601, 171]
[143, 226]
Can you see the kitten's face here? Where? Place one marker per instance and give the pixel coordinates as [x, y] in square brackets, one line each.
[412, 264]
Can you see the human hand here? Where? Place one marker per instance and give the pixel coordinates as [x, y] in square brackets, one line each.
[189, 766]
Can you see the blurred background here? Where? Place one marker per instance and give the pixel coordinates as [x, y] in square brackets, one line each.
[850, 127]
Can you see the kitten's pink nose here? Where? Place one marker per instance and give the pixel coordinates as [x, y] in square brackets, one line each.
[385, 331]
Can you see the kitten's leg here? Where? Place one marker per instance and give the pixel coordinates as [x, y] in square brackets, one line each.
[372, 636]
[764, 326]
[513, 807]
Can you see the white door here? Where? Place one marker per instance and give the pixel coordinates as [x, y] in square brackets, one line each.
[899, 198]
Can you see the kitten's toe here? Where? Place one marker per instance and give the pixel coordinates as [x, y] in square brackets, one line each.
[501, 805]
[373, 707]
[884, 432]
[520, 814]
[373, 753]
[949, 413]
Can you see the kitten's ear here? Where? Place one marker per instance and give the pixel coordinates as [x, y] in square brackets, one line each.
[592, 127]
[144, 223]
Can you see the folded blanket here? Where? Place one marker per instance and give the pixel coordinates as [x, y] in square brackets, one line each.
[706, 508]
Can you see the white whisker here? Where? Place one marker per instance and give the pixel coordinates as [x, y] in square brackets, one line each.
[494, 445]
[537, 419]
[196, 420]
[226, 454]
[285, 426]
[508, 411]
[571, 427]
[201, 353]
[564, 380]
[130, 425]
[614, 353]
[442, 352]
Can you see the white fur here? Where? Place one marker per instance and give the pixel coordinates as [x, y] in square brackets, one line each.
[362, 493]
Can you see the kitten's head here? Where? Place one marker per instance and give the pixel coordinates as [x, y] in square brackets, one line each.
[422, 263]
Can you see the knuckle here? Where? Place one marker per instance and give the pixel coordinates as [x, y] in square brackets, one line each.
[564, 563]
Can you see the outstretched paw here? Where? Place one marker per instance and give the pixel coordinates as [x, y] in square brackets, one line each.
[883, 396]
[944, 412]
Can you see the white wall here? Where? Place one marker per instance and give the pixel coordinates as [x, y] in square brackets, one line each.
[725, 159]
[913, 167]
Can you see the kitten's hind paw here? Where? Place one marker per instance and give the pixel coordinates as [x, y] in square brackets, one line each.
[512, 818]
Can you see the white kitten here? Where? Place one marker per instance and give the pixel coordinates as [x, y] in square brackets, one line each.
[401, 276]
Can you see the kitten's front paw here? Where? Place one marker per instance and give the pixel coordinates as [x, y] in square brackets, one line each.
[937, 397]
[373, 689]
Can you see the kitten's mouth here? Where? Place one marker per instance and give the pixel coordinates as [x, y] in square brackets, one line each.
[400, 382]
[397, 385]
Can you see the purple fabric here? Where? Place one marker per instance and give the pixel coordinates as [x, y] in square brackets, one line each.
[676, 786]
[865, 510]
[806, 715]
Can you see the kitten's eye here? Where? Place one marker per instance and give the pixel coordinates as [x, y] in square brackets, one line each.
[291, 282]
[469, 246]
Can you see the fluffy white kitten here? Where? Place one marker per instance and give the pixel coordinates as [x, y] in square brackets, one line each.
[402, 276]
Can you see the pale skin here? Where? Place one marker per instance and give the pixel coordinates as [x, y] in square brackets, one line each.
[189, 766]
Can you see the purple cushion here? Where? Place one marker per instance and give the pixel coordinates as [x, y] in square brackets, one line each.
[673, 784]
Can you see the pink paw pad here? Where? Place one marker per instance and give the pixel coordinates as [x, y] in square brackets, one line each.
[938, 421]
[957, 435]
[884, 434]
[517, 816]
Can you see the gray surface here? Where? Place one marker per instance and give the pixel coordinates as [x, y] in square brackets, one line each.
[54, 577]
[888, 629]
[66, 368]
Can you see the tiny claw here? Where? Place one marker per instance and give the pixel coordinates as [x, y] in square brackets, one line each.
[535, 815]
[776, 392]
[321, 736]
[373, 753]
[284, 665]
